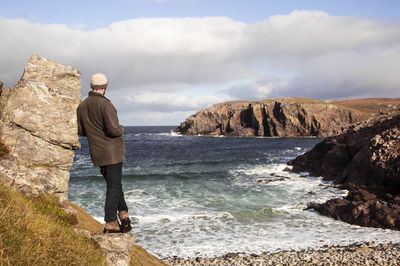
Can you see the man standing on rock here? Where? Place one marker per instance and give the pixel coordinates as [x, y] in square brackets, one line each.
[98, 121]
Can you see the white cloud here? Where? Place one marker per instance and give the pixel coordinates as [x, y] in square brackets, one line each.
[257, 90]
[149, 118]
[132, 52]
[311, 33]
[169, 102]
[154, 62]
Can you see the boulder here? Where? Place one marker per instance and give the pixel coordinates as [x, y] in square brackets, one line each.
[361, 208]
[116, 247]
[38, 125]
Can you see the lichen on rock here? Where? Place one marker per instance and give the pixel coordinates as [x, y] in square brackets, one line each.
[38, 124]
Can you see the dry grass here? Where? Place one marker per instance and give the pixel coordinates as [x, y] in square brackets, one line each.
[140, 257]
[299, 100]
[292, 100]
[36, 231]
[85, 221]
[367, 106]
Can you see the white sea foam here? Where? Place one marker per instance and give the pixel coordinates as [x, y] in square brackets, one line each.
[174, 134]
[99, 219]
[82, 160]
[210, 238]
[164, 134]
[210, 234]
[180, 227]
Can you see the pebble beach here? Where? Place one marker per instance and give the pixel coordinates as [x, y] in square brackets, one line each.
[363, 254]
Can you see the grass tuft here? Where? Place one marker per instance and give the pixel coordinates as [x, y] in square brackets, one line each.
[52, 207]
[38, 231]
[140, 257]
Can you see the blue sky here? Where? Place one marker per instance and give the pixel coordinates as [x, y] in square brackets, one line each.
[166, 59]
[101, 13]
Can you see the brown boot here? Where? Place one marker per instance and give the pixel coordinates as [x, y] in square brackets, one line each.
[125, 221]
[112, 227]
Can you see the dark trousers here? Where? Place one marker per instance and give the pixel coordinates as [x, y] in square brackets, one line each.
[115, 196]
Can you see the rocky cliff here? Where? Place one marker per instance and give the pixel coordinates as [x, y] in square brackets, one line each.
[282, 117]
[366, 160]
[38, 125]
[366, 155]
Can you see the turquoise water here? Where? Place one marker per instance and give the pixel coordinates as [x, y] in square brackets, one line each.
[195, 196]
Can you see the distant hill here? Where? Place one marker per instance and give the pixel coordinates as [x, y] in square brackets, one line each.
[284, 117]
[368, 106]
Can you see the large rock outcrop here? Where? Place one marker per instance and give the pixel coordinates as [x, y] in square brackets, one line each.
[38, 125]
[276, 117]
[366, 155]
[283, 117]
[366, 161]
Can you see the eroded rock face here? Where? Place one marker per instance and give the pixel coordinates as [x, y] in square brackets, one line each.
[276, 117]
[38, 124]
[367, 155]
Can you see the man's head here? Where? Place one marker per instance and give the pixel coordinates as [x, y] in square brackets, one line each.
[99, 83]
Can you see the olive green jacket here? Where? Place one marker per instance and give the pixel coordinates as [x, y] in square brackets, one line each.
[98, 121]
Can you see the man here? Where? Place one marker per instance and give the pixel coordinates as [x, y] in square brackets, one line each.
[98, 121]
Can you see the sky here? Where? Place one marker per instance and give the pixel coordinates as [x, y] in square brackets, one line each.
[167, 59]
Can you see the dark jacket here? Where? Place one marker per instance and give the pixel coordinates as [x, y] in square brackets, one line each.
[98, 121]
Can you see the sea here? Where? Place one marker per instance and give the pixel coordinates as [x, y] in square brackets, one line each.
[198, 196]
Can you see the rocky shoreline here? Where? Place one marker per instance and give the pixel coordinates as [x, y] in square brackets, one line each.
[366, 161]
[357, 254]
[363, 208]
